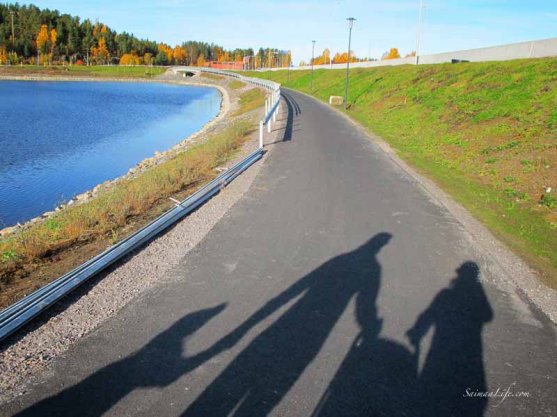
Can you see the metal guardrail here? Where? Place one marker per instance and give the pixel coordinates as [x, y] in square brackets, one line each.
[269, 85]
[272, 103]
[20, 313]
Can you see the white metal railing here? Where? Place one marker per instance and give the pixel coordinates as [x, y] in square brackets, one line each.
[272, 102]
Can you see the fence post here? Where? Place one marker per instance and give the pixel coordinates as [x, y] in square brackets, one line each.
[261, 134]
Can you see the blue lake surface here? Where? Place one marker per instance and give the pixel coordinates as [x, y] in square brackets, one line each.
[59, 139]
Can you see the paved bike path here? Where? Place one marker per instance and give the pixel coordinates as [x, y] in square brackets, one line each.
[337, 286]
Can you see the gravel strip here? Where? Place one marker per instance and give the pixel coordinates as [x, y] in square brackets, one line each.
[25, 357]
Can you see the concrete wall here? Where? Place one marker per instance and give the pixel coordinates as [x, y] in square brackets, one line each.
[533, 49]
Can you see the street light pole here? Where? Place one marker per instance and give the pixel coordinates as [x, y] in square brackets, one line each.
[289, 64]
[350, 24]
[312, 55]
[419, 32]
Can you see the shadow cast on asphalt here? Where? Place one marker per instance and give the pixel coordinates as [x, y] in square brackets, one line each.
[377, 377]
[293, 111]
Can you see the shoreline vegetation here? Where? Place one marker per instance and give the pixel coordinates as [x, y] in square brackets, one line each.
[45, 249]
[486, 133]
[77, 71]
[142, 165]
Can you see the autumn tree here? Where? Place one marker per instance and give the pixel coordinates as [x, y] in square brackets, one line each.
[287, 59]
[53, 37]
[100, 53]
[179, 55]
[342, 58]
[323, 58]
[130, 59]
[392, 54]
[77, 39]
[167, 51]
[42, 42]
[201, 61]
[148, 58]
[3, 55]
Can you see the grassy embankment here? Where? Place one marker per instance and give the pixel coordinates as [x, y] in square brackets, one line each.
[236, 84]
[36, 255]
[81, 71]
[485, 132]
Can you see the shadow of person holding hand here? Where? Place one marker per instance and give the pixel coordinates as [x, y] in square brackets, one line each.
[158, 364]
[454, 364]
[377, 377]
[262, 374]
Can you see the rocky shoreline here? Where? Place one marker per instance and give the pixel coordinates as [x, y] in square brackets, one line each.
[141, 166]
[26, 358]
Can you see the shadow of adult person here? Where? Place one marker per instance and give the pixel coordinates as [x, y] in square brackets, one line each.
[261, 375]
[454, 364]
[377, 377]
[157, 364]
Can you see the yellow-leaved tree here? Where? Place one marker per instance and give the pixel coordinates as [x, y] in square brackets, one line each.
[167, 50]
[42, 42]
[179, 55]
[130, 59]
[3, 55]
[392, 54]
[53, 37]
[100, 53]
[200, 60]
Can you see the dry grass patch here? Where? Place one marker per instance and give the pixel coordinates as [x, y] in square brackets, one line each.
[236, 85]
[117, 207]
[210, 76]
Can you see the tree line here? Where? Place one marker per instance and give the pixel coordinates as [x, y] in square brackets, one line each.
[342, 57]
[30, 35]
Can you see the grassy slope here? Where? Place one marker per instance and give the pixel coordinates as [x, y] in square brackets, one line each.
[485, 132]
[82, 71]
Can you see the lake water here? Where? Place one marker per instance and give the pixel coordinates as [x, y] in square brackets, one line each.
[59, 139]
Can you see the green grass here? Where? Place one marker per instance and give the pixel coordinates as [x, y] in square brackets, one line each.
[235, 85]
[485, 132]
[250, 100]
[210, 76]
[83, 71]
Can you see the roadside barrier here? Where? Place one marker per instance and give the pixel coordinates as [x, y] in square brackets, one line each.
[20, 313]
[272, 102]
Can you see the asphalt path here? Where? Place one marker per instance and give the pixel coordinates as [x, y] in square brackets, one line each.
[337, 286]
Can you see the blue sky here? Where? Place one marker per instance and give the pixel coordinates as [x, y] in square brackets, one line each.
[448, 25]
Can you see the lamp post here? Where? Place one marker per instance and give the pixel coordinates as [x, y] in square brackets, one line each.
[289, 64]
[350, 24]
[419, 32]
[312, 54]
